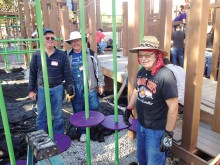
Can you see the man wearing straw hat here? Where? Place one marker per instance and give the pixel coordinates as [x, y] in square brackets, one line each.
[156, 101]
[95, 76]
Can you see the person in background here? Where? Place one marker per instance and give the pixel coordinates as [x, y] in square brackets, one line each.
[101, 40]
[180, 76]
[208, 51]
[177, 50]
[156, 101]
[95, 76]
[58, 70]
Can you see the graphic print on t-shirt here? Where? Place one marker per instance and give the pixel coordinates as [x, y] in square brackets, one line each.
[146, 88]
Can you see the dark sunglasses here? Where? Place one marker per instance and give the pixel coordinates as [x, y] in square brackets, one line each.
[48, 38]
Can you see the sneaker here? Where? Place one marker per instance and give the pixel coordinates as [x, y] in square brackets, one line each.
[83, 138]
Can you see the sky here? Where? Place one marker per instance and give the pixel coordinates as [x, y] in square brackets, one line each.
[106, 6]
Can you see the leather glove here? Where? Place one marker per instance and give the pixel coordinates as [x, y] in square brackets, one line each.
[70, 93]
[126, 116]
[166, 141]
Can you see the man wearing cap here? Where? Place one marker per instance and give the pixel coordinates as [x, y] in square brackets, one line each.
[58, 70]
[156, 101]
[95, 76]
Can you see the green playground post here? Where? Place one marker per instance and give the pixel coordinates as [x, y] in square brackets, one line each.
[85, 77]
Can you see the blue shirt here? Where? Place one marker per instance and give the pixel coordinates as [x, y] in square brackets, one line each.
[77, 66]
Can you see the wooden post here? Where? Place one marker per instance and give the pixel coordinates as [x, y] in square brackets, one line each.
[98, 22]
[21, 18]
[125, 28]
[27, 18]
[54, 21]
[146, 17]
[216, 42]
[215, 59]
[133, 41]
[197, 28]
[92, 25]
[45, 14]
[32, 17]
[65, 26]
[166, 25]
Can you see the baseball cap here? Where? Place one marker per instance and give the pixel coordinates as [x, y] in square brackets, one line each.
[48, 31]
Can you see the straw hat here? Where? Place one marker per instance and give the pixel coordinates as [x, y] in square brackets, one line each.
[73, 36]
[149, 42]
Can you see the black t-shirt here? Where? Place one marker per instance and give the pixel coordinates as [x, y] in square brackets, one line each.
[153, 91]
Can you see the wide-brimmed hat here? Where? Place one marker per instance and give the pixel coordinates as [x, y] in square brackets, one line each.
[73, 36]
[149, 43]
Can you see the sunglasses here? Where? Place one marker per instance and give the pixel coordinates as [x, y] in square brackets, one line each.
[50, 38]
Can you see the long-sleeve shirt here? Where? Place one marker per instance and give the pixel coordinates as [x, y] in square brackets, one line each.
[58, 68]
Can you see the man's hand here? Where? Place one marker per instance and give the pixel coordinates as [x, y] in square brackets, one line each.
[70, 93]
[166, 141]
[101, 90]
[126, 116]
[32, 95]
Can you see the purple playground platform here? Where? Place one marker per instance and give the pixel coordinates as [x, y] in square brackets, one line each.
[19, 162]
[133, 126]
[79, 120]
[109, 123]
[62, 141]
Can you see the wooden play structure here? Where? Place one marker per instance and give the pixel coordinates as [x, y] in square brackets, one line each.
[197, 136]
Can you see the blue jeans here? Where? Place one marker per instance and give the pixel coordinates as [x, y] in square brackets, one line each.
[56, 100]
[177, 53]
[148, 146]
[78, 101]
[208, 63]
[102, 46]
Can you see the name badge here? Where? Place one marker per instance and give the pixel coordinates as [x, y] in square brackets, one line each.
[54, 63]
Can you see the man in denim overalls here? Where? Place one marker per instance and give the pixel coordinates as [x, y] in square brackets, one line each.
[95, 76]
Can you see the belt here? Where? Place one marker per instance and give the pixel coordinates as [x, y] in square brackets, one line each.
[50, 85]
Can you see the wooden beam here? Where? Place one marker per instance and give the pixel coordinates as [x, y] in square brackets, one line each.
[8, 13]
[45, 14]
[27, 18]
[125, 28]
[133, 41]
[98, 22]
[187, 156]
[215, 56]
[216, 43]
[54, 21]
[21, 18]
[92, 25]
[215, 5]
[65, 30]
[194, 71]
[146, 16]
[166, 25]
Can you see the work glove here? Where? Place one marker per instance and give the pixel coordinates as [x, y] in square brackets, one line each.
[126, 116]
[166, 141]
[70, 93]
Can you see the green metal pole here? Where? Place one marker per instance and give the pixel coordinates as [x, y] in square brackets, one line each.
[6, 128]
[85, 77]
[115, 79]
[44, 67]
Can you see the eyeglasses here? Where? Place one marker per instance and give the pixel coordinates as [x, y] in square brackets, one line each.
[146, 55]
[50, 38]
